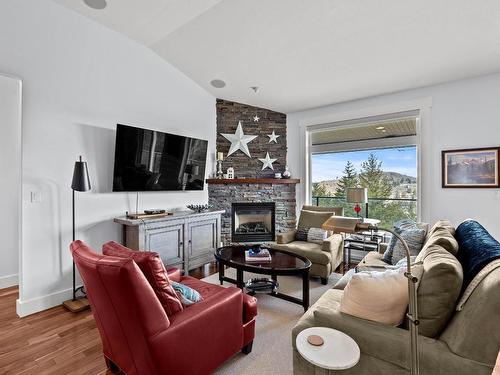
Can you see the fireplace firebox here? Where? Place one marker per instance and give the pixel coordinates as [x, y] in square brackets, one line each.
[253, 222]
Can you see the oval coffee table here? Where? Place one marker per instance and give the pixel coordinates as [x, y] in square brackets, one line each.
[282, 263]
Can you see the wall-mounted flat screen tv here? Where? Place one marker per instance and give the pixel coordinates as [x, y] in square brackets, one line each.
[148, 160]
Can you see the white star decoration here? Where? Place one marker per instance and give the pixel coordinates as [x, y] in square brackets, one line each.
[256, 118]
[273, 137]
[239, 141]
[267, 162]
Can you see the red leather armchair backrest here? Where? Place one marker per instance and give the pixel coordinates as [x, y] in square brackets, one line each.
[125, 308]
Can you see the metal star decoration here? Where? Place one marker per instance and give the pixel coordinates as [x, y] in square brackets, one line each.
[239, 141]
[273, 137]
[256, 118]
[267, 162]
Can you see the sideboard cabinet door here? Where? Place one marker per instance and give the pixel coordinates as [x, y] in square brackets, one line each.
[168, 241]
[203, 239]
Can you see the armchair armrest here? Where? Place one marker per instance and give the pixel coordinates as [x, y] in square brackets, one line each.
[286, 237]
[174, 274]
[214, 325]
[332, 243]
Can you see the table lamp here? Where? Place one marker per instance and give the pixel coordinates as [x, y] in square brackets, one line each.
[357, 195]
[80, 182]
[334, 225]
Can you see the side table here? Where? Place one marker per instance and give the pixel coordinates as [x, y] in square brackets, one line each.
[339, 351]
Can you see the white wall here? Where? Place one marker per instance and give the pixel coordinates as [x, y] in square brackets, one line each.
[10, 172]
[463, 114]
[79, 80]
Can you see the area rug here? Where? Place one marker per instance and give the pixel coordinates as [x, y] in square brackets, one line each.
[272, 346]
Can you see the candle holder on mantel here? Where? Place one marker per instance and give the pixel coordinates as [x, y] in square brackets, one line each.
[220, 158]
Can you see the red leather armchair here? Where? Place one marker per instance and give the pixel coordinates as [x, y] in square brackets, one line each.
[137, 335]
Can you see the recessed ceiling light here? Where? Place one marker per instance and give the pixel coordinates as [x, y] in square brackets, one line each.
[218, 83]
[380, 127]
[255, 89]
[96, 4]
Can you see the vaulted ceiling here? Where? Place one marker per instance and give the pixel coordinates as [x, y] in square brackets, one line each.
[302, 53]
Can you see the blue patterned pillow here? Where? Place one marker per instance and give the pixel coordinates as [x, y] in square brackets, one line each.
[412, 234]
[187, 295]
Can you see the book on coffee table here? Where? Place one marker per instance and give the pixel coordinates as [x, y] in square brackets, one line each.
[262, 256]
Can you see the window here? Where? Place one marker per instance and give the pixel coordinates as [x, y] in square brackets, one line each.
[378, 155]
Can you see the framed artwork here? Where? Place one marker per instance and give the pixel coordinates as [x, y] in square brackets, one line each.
[471, 168]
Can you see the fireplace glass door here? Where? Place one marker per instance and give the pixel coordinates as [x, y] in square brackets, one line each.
[253, 222]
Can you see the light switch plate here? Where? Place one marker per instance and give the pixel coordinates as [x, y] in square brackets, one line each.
[36, 197]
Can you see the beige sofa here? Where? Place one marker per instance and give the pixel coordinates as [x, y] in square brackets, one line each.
[454, 339]
[325, 257]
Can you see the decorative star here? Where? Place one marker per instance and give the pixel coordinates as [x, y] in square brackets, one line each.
[267, 162]
[256, 118]
[239, 141]
[273, 137]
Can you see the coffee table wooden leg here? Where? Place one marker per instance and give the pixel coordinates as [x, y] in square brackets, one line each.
[239, 278]
[305, 290]
[221, 273]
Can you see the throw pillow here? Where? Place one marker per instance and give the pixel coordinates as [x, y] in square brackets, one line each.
[378, 296]
[414, 237]
[316, 235]
[301, 234]
[187, 295]
[398, 228]
[412, 234]
[153, 269]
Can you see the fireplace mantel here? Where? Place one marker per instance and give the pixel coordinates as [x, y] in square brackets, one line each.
[225, 181]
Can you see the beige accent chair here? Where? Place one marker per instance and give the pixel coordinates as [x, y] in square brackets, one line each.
[325, 257]
[453, 339]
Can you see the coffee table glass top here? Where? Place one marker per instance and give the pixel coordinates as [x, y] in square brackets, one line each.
[280, 259]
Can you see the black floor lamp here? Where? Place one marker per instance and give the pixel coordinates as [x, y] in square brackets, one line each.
[80, 182]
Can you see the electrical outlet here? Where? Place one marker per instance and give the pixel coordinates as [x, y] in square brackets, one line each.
[36, 197]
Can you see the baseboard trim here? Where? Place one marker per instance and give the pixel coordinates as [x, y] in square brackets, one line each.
[8, 281]
[37, 304]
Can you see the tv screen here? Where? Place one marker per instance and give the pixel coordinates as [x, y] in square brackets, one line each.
[148, 160]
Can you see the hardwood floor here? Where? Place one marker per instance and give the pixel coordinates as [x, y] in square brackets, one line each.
[54, 341]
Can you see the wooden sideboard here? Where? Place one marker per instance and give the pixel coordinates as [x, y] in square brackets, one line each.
[185, 240]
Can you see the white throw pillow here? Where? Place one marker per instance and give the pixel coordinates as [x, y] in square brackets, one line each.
[378, 296]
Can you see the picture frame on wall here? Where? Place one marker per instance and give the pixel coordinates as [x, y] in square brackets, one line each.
[471, 168]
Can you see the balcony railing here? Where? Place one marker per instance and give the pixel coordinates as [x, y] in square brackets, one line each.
[387, 210]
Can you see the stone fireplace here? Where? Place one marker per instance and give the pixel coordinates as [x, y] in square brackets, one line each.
[253, 185]
[252, 222]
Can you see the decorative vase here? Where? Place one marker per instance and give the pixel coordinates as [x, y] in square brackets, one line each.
[286, 173]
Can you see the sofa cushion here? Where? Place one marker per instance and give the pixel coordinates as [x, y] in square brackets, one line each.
[313, 219]
[153, 269]
[378, 296]
[373, 258]
[438, 290]
[442, 234]
[310, 250]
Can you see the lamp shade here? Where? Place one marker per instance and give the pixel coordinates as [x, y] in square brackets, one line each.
[357, 195]
[81, 180]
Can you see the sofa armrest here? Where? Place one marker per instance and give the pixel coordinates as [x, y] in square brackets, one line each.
[286, 237]
[382, 341]
[332, 243]
[193, 330]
